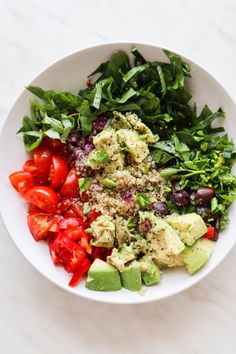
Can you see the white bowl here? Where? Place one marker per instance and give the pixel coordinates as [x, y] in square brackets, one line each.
[70, 74]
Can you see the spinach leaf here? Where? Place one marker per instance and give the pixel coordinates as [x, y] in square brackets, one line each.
[84, 184]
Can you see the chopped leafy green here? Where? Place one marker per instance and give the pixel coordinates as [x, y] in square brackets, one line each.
[109, 183]
[84, 184]
[143, 199]
[86, 208]
[131, 223]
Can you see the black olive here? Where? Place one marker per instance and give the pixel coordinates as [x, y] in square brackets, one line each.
[180, 198]
[160, 209]
[203, 195]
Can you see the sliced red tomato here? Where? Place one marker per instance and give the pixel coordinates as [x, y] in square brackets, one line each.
[33, 209]
[21, 181]
[210, 232]
[84, 197]
[77, 208]
[55, 145]
[43, 197]
[55, 223]
[39, 225]
[29, 166]
[70, 214]
[78, 274]
[93, 215]
[84, 243]
[55, 257]
[42, 160]
[76, 233]
[58, 172]
[71, 254]
[70, 187]
[68, 223]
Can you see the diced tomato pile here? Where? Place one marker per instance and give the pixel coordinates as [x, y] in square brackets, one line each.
[55, 211]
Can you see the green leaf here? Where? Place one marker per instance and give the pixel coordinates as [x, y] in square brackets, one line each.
[86, 125]
[143, 199]
[109, 183]
[169, 172]
[53, 134]
[55, 124]
[134, 71]
[98, 91]
[126, 96]
[97, 159]
[32, 139]
[138, 56]
[162, 79]
[37, 91]
[86, 208]
[118, 63]
[161, 157]
[84, 184]
[206, 122]
[131, 223]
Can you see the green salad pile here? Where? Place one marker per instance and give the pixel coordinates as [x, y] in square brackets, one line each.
[189, 152]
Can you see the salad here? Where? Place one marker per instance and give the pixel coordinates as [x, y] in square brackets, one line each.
[126, 178]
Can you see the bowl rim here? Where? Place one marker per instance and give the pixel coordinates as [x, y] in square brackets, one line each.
[92, 296]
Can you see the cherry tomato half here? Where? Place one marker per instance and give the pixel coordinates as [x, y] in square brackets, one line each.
[42, 160]
[43, 197]
[70, 187]
[21, 181]
[29, 166]
[39, 225]
[69, 223]
[58, 172]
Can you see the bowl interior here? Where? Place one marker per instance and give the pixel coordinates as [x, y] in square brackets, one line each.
[70, 74]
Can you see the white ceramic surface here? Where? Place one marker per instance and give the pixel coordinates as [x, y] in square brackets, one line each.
[69, 74]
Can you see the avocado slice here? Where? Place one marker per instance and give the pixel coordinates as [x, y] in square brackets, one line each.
[131, 277]
[103, 277]
[197, 255]
[131, 141]
[164, 240]
[190, 227]
[119, 257]
[150, 272]
[103, 230]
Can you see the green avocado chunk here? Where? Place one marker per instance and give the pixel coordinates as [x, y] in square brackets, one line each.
[197, 255]
[131, 277]
[103, 277]
[190, 227]
[150, 272]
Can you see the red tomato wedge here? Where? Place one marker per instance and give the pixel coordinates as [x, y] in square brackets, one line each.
[21, 181]
[29, 166]
[69, 223]
[43, 197]
[39, 225]
[58, 172]
[76, 233]
[78, 274]
[55, 257]
[42, 160]
[70, 187]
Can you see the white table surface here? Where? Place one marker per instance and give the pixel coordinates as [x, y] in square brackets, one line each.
[36, 317]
